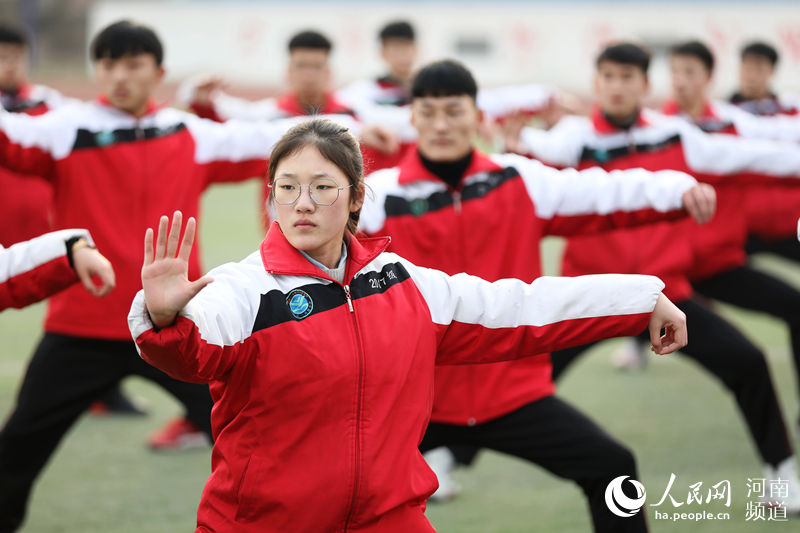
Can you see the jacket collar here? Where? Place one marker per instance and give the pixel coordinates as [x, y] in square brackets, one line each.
[22, 92]
[152, 107]
[671, 107]
[280, 257]
[390, 82]
[291, 105]
[412, 169]
[602, 125]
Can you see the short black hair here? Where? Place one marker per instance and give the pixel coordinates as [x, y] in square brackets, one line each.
[310, 39]
[126, 38]
[761, 49]
[444, 78]
[625, 54]
[12, 35]
[398, 29]
[697, 50]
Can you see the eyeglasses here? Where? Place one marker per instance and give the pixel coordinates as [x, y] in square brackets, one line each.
[323, 191]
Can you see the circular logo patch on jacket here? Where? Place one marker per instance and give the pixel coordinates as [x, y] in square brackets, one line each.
[601, 155]
[104, 138]
[418, 206]
[300, 304]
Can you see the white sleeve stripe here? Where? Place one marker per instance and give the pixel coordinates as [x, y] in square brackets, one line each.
[511, 303]
[26, 256]
[570, 192]
[576, 302]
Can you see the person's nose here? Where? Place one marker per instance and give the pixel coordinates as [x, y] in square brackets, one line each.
[440, 123]
[304, 203]
[118, 74]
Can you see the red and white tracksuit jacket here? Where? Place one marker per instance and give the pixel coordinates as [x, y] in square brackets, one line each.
[771, 208]
[385, 90]
[322, 391]
[491, 227]
[26, 204]
[116, 174]
[32, 270]
[676, 252]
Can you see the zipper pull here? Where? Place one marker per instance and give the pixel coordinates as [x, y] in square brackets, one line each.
[349, 299]
[457, 201]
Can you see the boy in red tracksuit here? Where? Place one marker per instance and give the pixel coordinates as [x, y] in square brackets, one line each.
[757, 67]
[619, 135]
[32, 270]
[309, 77]
[450, 207]
[116, 164]
[26, 203]
[771, 208]
[399, 52]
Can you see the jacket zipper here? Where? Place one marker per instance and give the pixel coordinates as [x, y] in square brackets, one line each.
[456, 195]
[349, 298]
[143, 183]
[457, 201]
[633, 151]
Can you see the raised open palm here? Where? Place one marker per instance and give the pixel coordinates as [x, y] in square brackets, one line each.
[165, 279]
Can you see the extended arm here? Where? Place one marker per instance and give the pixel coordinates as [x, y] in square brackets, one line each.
[33, 270]
[576, 202]
[480, 322]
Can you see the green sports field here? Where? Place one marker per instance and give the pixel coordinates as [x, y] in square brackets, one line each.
[676, 418]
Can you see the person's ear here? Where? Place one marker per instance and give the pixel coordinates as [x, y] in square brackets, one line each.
[357, 200]
[161, 73]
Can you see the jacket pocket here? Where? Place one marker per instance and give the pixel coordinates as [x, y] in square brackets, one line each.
[251, 493]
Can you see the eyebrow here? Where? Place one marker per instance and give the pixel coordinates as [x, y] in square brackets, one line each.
[314, 175]
[452, 103]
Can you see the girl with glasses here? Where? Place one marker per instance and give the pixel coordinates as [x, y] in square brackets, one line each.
[320, 347]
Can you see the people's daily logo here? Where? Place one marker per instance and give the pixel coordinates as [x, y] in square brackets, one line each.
[620, 504]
